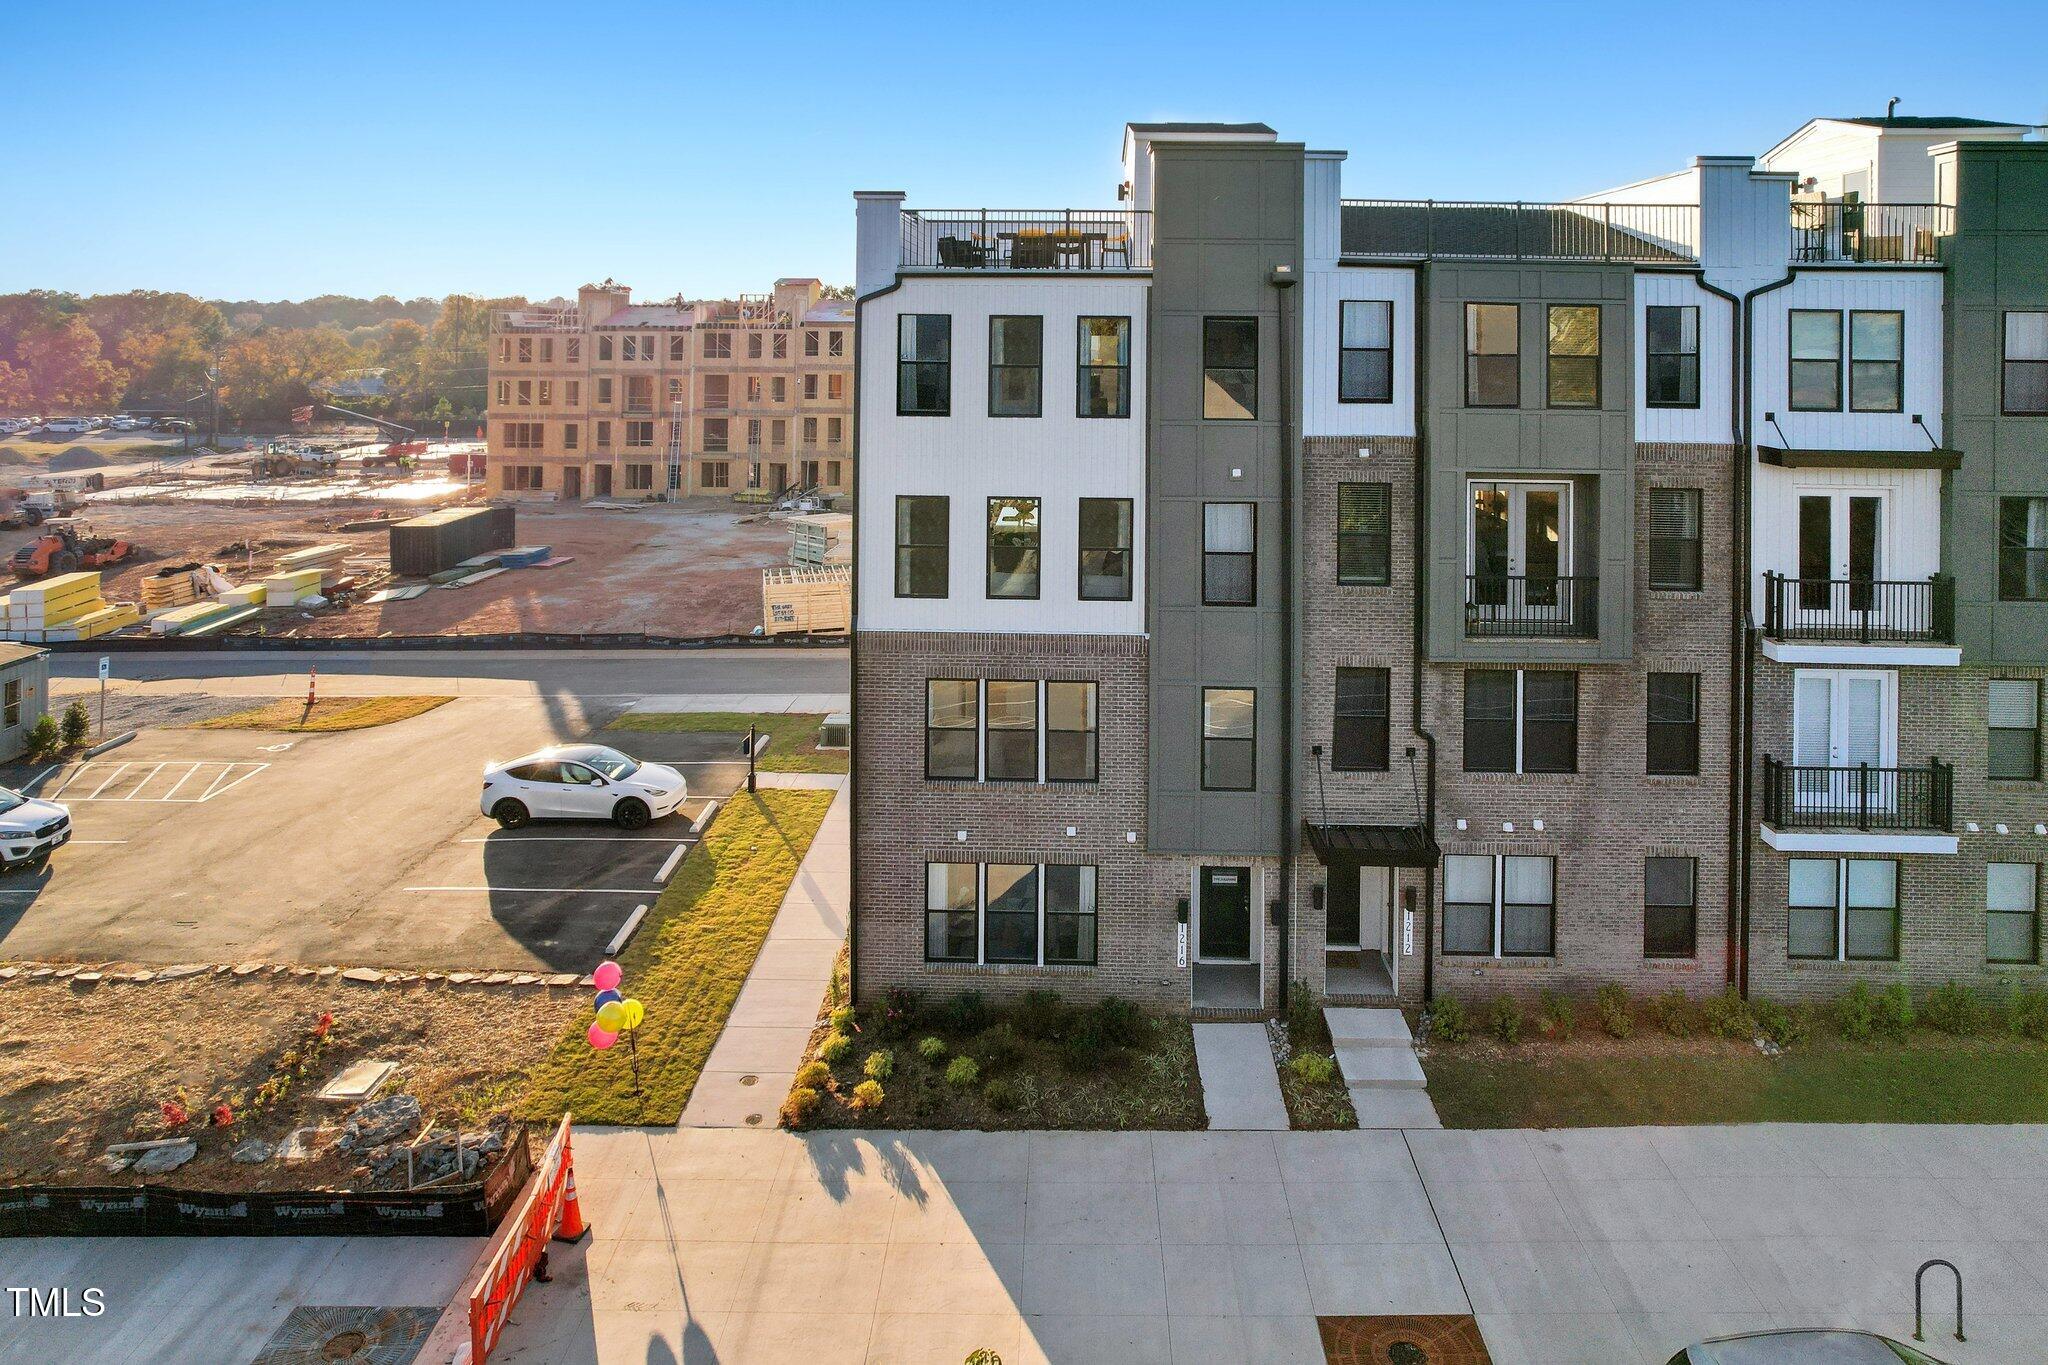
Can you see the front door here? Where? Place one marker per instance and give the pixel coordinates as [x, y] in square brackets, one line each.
[601, 481]
[1340, 925]
[572, 483]
[1839, 535]
[1225, 931]
[1839, 724]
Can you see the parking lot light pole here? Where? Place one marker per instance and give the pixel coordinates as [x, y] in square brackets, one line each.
[752, 745]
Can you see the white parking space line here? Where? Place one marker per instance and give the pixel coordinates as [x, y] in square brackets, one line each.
[94, 795]
[216, 775]
[668, 869]
[144, 782]
[536, 890]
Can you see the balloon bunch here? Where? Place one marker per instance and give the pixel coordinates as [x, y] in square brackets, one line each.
[616, 1015]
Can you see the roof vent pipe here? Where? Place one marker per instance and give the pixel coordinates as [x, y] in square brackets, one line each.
[1890, 106]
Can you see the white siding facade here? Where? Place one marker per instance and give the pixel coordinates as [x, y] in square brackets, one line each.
[1322, 292]
[1916, 293]
[1709, 423]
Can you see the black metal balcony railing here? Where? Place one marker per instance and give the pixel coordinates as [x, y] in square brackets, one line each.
[1027, 239]
[1518, 606]
[1521, 231]
[1886, 234]
[1860, 610]
[1860, 797]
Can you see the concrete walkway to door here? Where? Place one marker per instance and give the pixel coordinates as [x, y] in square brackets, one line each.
[1240, 1087]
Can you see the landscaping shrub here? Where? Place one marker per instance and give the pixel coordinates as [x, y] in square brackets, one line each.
[999, 1094]
[1313, 1068]
[813, 1074]
[2026, 1014]
[1118, 1022]
[1894, 1010]
[902, 1012]
[1954, 1008]
[1727, 1015]
[842, 1019]
[1307, 1026]
[867, 1095]
[1617, 1016]
[1084, 1051]
[965, 1013]
[999, 1046]
[1557, 1016]
[1504, 1019]
[1784, 1025]
[962, 1071]
[880, 1065]
[801, 1105]
[42, 737]
[833, 1048]
[1856, 1013]
[76, 725]
[931, 1049]
[1447, 1020]
[1672, 1012]
[1042, 1016]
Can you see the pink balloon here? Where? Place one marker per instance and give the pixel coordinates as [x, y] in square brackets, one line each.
[607, 976]
[600, 1038]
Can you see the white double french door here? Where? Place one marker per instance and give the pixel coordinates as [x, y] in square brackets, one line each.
[1520, 547]
[1844, 740]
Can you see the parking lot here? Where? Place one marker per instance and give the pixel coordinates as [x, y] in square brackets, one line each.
[358, 848]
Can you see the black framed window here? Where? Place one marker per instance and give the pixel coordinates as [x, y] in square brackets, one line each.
[2013, 710]
[1489, 720]
[952, 717]
[922, 546]
[1521, 722]
[1574, 355]
[1016, 360]
[1528, 906]
[1843, 909]
[1013, 547]
[2012, 912]
[1365, 542]
[1105, 573]
[1230, 369]
[1877, 358]
[1230, 555]
[1550, 722]
[1365, 351]
[2023, 549]
[1671, 356]
[924, 364]
[952, 905]
[1010, 913]
[1103, 384]
[1229, 739]
[1493, 355]
[1070, 749]
[1500, 905]
[1468, 905]
[1358, 738]
[1070, 914]
[1815, 348]
[1010, 726]
[1670, 907]
[1675, 539]
[1673, 743]
[2026, 365]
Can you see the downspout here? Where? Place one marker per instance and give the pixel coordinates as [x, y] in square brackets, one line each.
[1738, 529]
[1284, 279]
[1419, 560]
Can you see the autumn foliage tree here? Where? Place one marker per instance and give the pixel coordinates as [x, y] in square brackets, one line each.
[64, 369]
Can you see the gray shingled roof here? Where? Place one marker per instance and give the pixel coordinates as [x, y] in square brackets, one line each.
[1497, 231]
[1924, 121]
[1200, 128]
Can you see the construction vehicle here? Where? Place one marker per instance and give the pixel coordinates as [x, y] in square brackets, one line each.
[66, 545]
[33, 507]
[290, 459]
[404, 447]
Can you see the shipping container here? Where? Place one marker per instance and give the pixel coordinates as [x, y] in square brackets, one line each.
[441, 540]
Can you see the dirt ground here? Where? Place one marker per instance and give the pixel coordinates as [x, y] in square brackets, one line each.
[82, 1067]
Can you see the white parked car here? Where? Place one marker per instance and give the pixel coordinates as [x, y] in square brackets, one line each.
[67, 426]
[30, 830]
[581, 782]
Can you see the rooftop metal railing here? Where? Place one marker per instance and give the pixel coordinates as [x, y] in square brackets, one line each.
[1520, 230]
[1027, 239]
[1876, 234]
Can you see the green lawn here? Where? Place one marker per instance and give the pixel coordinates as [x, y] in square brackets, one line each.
[792, 739]
[1928, 1078]
[686, 965]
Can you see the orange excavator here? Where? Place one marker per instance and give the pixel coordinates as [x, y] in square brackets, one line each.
[65, 546]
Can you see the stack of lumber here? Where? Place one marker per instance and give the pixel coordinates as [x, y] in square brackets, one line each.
[248, 595]
[187, 620]
[524, 556]
[819, 538]
[815, 601]
[160, 592]
[291, 588]
[326, 558]
[65, 607]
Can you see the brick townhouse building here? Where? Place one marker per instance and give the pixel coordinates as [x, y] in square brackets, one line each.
[1259, 586]
[613, 399]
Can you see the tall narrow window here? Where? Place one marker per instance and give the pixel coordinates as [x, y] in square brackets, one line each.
[951, 717]
[1229, 554]
[2026, 364]
[1069, 914]
[1550, 722]
[1489, 720]
[1015, 360]
[1675, 539]
[951, 911]
[1364, 533]
[1229, 730]
[1468, 905]
[1877, 352]
[922, 548]
[2023, 549]
[2012, 931]
[1574, 355]
[1358, 739]
[1528, 906]
[1673, 744]
[1103, 381]
[1013, 547]
[1105, 573]
[1230, 369]
[1365, 351]
[1070, 732]
[1493, 355]
[1670, 907]
[924, 365]
[1012, 726]
[2014, 712]
[1671, 356]
[1816, 364]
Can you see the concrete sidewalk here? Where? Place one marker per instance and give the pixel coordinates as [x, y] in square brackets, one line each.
[755, 1059]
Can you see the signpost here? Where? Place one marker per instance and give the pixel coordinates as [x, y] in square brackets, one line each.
[755, 743]
[106, 667]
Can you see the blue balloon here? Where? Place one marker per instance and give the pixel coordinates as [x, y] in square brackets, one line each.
[605, 996]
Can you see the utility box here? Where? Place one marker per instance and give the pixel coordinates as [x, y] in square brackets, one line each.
[426, 545]
[836, 731]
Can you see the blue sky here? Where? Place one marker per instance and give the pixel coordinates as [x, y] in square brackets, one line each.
[270, 151]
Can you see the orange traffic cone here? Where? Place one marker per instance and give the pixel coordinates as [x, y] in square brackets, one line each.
[572, 1227]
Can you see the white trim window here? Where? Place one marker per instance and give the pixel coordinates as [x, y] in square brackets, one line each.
[2012, 912]
[1500, 905]
[1010, 914]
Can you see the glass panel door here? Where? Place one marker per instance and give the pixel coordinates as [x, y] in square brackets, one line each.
[1839, 727]
[1340, 925]
[1841, 537]
[1520, 547]
[1226, 915]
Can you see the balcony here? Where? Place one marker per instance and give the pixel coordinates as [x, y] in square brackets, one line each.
[1860, 611]
[1521, 231]
[1862, 798]
[1872, 234]
[1524, 607]
[1027, 239]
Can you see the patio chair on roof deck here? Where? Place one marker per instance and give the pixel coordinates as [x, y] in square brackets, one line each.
[1033, 252]
[958, 251]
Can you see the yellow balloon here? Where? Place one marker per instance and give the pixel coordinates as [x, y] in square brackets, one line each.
[631, 1012]
[608, 1016]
